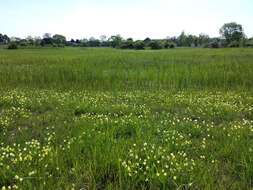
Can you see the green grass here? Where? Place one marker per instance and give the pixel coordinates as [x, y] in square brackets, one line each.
[116, 69]
[113, 119]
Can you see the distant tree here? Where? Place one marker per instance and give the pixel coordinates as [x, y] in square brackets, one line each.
[83, 42]
[172, 45]
[172, 39]
[128, 44]
[29, 40]
[47, 40]
[233, 44]
[233, 33]
[115, 41]
[72, 42]
[214, 43]
[103, 40]
[37, 41]
[23, 42]
[203, 40]
[139, 45]
[147, 41]
[59, 40]
[155, 44]
[13, 45]
[191, 41]
[80, 41]
[249, 42]
[182, 39]
[15, 39]
[93, 42]
[169, 44]
[4, 39]
[47, 35]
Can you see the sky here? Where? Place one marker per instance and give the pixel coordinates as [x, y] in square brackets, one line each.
[139, 19]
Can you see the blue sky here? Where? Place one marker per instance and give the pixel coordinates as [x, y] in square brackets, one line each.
[130, 18]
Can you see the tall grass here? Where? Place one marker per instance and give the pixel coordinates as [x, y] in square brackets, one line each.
[117, 69]
[110, 119]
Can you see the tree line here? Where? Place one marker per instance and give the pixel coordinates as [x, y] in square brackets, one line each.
[231, 35]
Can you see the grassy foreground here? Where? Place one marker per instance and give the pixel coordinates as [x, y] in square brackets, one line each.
[111, 119]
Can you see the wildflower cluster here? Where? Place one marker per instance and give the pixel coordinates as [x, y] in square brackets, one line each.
[56, 139]
[149, 163]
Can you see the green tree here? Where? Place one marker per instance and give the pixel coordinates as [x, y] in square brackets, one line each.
[169, 44]
[191, 41]
[115, 41]
[203, 40]
[93, 42]
[59, 40]
[249, 42]
[139, 45]
[13, 45]
[103, 40]
[232, 32]
[4, 39]
[29, 40]
[47, 40]
[155, 44]
[147, 41]
[128, 44]
[182, 39]
[37, 41]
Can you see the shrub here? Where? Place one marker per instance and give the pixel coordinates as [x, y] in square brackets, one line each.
[234, 44]
[12, 46]
[213, 44]
[125, 46]
[172, 45]
[169, 45]
[249, 43]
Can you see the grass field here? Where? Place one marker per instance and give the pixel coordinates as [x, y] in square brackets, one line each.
[78, 118]
[110, 69]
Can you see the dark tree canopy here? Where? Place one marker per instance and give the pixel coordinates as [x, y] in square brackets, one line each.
[4, 39]
[155, 44]
[47, 35]
[59, 39]
[128, 44]
[139, 45]
[93, 42]
[116, 41]
[232, 35]
[47, 40]
[232, 32]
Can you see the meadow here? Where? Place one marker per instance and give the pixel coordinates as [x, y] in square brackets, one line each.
[83, 118]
